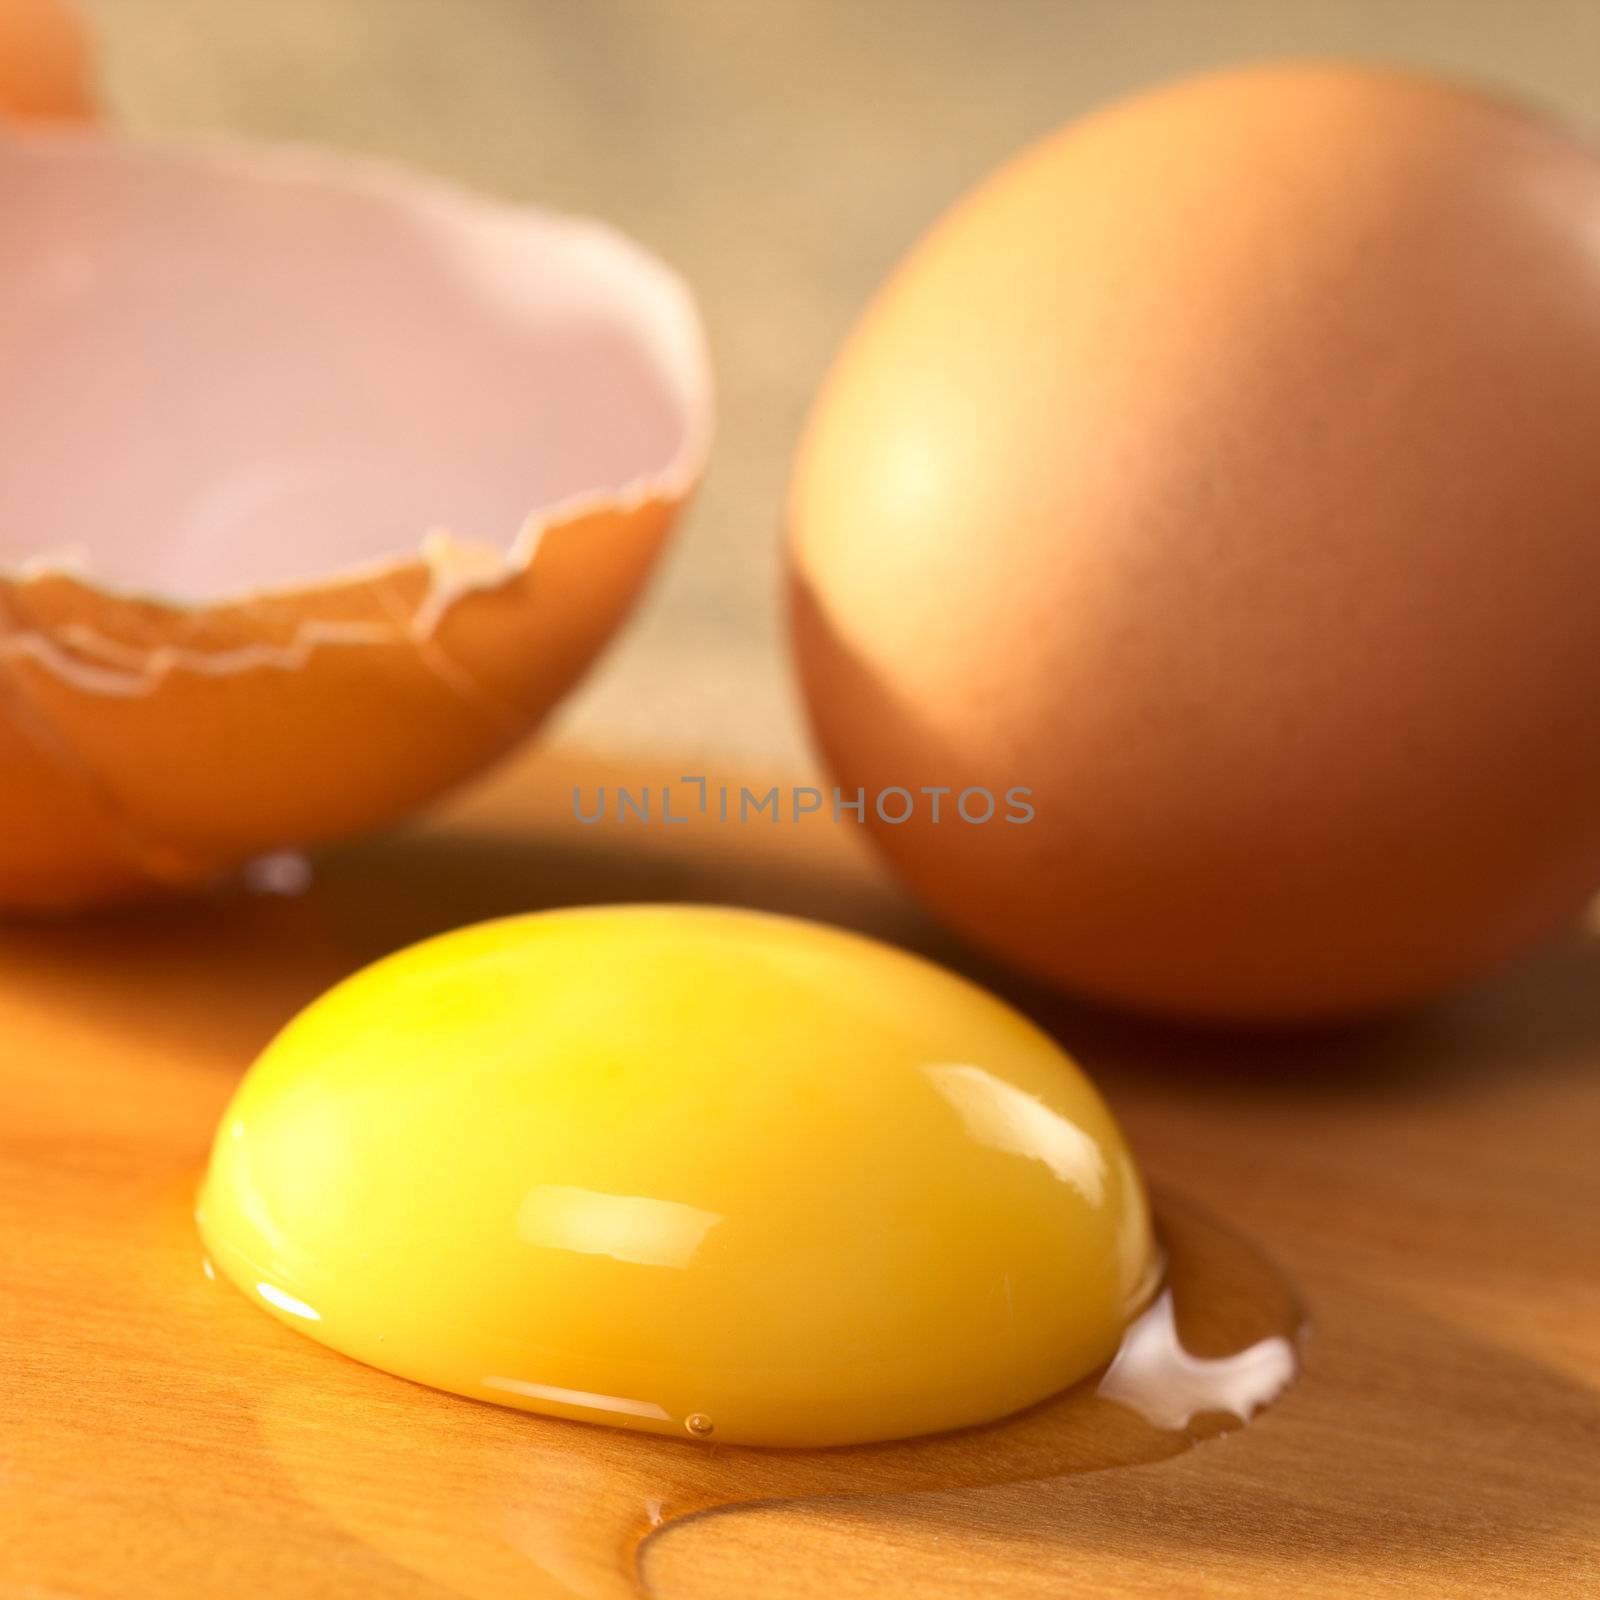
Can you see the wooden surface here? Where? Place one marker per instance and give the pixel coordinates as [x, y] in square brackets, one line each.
[1431, 1187]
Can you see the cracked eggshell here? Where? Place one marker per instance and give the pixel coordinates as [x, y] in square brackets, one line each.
[320, 484]
[46, 65]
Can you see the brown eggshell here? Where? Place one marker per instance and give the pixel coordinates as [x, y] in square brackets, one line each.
[325, 336]
[46, 65]
[1225, 470]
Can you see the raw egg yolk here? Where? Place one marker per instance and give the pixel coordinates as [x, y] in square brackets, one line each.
[698, 1171]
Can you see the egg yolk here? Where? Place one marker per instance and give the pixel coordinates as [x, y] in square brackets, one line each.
[697, 1171]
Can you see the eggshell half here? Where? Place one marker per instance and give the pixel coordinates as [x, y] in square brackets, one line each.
[1226, 471]
[320, 484]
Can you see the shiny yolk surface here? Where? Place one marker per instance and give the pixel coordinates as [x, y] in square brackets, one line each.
[698, 1171]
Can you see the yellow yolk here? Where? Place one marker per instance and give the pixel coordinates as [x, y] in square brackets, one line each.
[697, 1171]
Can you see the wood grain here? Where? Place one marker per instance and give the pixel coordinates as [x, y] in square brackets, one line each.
[1432, 1187]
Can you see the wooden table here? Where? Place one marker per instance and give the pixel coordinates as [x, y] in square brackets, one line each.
[1432, 1187]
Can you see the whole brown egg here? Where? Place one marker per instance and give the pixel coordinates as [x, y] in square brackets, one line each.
[1225, 472]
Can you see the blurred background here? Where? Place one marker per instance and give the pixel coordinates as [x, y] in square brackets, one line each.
[782, 154]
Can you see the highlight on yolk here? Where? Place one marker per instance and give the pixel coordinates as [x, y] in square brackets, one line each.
[698, 1171]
